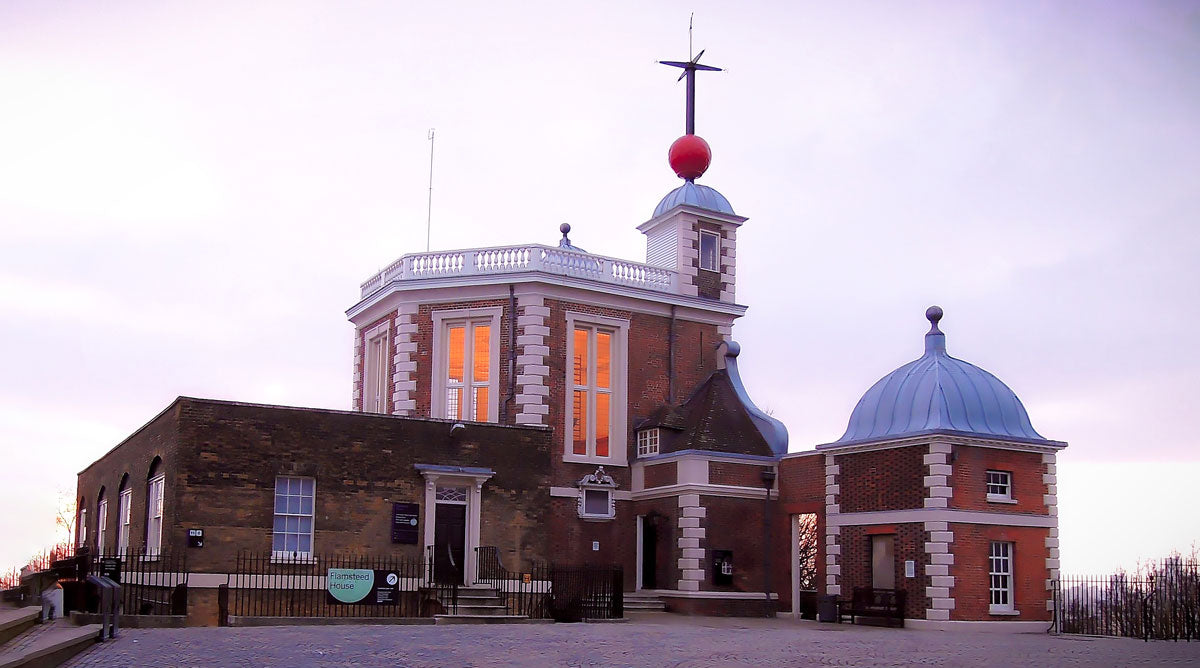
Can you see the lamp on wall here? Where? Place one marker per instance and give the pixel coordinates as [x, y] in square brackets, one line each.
[768, 478]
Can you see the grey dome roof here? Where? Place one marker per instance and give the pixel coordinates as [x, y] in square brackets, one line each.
[701, 197]
[938, 393]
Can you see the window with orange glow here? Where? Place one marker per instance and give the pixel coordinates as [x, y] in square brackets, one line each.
[468, 370]
[592, 389]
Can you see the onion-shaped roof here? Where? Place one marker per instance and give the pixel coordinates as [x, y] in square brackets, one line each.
[938, 394]
[691, 194]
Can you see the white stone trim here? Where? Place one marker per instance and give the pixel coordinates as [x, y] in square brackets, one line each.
[833, 550]
[404, 382]
[573, 493]
[692, 552]
[707, 490]
[945, 439]
[944, 624]
[939, 515]
[532, 353]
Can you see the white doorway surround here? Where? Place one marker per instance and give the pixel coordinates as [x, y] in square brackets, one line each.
[470, 478]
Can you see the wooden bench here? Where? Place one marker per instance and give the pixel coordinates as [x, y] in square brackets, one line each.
[882, 606]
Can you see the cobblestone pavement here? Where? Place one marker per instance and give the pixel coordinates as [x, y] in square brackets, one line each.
[667, 640]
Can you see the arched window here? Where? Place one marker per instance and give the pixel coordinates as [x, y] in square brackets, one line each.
[81, 523]
[124, 502]
[101, 521]
[154, 507]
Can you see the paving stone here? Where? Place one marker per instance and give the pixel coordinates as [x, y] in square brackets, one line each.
[665, 640]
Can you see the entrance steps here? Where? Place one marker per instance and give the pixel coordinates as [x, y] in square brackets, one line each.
[640, 602]
[478, 604]
[26, 642]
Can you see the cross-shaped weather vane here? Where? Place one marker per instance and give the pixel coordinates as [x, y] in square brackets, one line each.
[689, 70]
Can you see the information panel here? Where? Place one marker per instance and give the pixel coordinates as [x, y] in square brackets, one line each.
[362, 586]
[404, 523]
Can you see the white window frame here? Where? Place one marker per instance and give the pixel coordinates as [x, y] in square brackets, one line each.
[648, 442]
[1001, 481]
[101, 524]
[442, 322]
[290, 556]
[597, 483]
[81, 527]
[154, 515]
[376, 376]
[716, 237]
[124, 508]
[619, 426]
[1001, 577]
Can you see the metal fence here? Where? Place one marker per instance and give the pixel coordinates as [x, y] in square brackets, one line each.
[1160, 602]
[151, 583]
[562, 593]
[267, 585]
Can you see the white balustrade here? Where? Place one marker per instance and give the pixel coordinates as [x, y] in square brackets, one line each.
[518, 259]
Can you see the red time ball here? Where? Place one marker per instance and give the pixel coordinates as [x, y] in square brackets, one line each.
[689, 156]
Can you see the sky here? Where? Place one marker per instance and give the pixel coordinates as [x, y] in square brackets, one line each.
[191, 194]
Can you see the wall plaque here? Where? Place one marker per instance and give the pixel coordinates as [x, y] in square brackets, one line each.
[404, 523]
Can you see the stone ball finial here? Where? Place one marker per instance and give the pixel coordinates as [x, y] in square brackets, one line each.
[565, 228]
[934, 314]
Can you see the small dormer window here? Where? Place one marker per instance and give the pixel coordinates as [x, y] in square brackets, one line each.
[596, 497]
[710, 251]
[999, 486]
[647, 442]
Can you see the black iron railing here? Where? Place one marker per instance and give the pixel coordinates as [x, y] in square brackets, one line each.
[563, 593]
[525, 593]
[152, 583]
[1162, 602]
[271, 585]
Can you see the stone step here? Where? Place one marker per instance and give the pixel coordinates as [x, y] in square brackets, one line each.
[15, 621]
[492, 610]
[50, 644]
[480, 619]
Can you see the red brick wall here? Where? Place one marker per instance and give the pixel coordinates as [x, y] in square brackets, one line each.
[970, 570]
[360, 360]
[133, 456]
[661, 475]
[892, 479]
[737, 525]
[741, 475]
[968, 479]
[571, 537]
[909, 545]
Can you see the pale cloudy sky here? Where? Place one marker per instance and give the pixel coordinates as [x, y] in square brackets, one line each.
[190, 194]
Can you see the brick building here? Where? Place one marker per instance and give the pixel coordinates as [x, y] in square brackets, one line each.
[561, 405]
[940, 488]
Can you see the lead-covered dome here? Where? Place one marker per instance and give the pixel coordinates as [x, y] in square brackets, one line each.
[691, 194]
[936, 394]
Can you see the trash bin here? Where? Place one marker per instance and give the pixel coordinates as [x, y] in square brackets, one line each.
[52, 602]
[827, 609]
